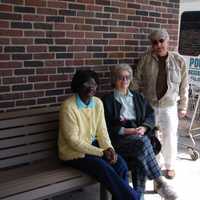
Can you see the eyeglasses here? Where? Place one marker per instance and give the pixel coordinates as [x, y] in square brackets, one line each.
[156, 42]
[124, 78]
[90, 84]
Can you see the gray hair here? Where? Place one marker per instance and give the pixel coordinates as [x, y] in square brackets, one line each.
[115, 71]
[159, 34]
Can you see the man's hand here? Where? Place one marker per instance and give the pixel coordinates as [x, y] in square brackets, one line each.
[110, 155]
[182, 114]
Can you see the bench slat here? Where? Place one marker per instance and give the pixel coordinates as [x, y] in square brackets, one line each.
[27, 158]
[30, 112]
[37, 181]
[28, 139]
[22, 121]
[38, 147]
[36, 128]
[54, 189]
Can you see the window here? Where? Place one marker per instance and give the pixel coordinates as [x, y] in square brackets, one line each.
[189, 42]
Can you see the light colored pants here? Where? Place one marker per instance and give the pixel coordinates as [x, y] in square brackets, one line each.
[167, 121]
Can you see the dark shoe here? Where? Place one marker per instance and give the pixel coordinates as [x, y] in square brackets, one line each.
[169, 173]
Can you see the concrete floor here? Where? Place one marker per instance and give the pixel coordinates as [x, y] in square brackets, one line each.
[186, 182]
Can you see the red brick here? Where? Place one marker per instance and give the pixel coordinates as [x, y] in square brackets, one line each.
[118, 4]
[29, 17]
[126, 11]
[34, 34]
[4, 24]
[26, 102]
[74, 62]
[37, 48]
[93, 35]
[94, 8]
[125, 36]
[11, 32]
[48, 11]
[4, 89]
[37, 78]
[83, 41]
[38, 3]
[46, 71]
[78, 20]
[22, 41]
[4, 56]
[10, 64]
[148, 19]
[33, 94]
[116, 42]
[161, 21]
[86, 1]
[44, 56]
[111, 48]
[83, 55]
[4, 41]
[57, 4]
[39, 86]
[6, 72]
[131, 30]
[75, 34]
[14, 80]
[58, 77]
[62, 26]
[63, 84]
[5, 8]
[6, 97]
[83, 27]
[116, 55]
[46, 100]
[7, 104]
[117, 29]
[54, 63]
[15, 1]
[93, 62]
[76, 48]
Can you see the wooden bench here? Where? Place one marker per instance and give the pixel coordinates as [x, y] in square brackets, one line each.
[29, 167]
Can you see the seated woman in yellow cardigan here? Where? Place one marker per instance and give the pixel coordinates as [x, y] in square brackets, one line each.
[83, 138]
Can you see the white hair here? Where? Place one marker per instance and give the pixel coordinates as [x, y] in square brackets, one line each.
[115, 71]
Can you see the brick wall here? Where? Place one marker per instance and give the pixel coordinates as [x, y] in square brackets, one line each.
[43, 42]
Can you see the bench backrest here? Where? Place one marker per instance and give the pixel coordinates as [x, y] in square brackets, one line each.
[27, 136]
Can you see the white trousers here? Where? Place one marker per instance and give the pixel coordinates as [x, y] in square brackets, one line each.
[167, 121]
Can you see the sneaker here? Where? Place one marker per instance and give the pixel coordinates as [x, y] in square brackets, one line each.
[165, 191]
[169, 173]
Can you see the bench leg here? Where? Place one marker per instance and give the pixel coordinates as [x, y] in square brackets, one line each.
[104, 194]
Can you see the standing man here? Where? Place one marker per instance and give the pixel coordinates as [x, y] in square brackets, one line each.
[162, 78]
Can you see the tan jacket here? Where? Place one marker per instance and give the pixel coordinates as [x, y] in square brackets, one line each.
[177, 80]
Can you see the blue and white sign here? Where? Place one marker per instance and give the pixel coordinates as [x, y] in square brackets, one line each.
[193, 64]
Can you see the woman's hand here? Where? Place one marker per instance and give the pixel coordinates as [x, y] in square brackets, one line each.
[139, 131]
[110, 155]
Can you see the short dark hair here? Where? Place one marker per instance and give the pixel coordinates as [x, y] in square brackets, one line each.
[82, 76]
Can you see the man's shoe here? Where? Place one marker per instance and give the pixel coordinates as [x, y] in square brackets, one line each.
[165, 191]
[169, 173]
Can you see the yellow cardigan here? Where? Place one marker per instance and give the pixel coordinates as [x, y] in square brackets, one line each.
[78, 128]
